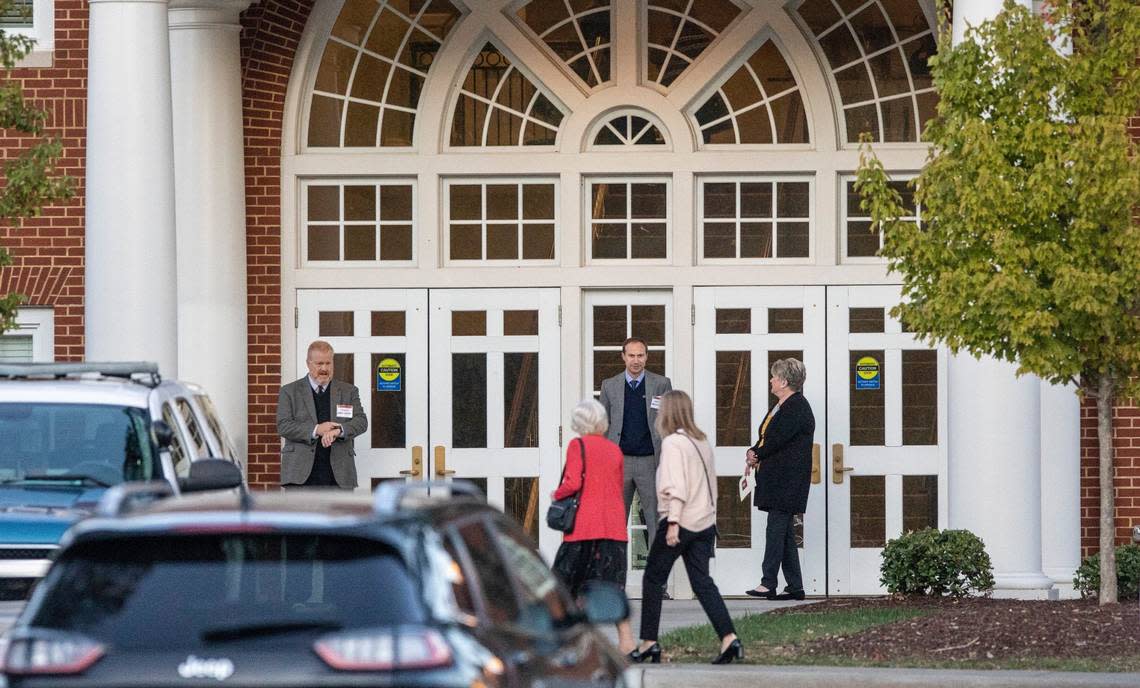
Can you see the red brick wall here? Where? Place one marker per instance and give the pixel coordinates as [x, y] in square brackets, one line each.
[47, 251]
[271, 30]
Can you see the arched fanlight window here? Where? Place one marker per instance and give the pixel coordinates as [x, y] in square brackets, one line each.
[577, 31]
[371, 75]
[679, 31]
[760, 103]
[628, 128]
[877, 53]
[498, 105]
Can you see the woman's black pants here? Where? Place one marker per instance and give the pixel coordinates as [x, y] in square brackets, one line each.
[696, 548]
[780, 551]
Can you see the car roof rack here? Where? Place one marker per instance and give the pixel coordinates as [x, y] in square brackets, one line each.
[145, 372]
[122, 499]
[389, 495]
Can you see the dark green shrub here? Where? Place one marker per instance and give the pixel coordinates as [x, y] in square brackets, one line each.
[1087, 579]
[937, 562]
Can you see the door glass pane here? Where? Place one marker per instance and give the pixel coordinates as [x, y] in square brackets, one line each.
[343, 368]
[733, 515]
[774, 356]
[388, 323]
[520, 502]
[733, 320]
[649, 324]
[520, 323]
[920, 502]
[868, 511]
[785, 320]
[868, 400]
[920, 397]
[468, 400]
[334, 324]
[469, 323]
[867, 320]
[520, 398]
[389, 406]
[638, 535]
[733, 398]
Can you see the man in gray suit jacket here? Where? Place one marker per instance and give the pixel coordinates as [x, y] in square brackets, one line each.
[319, 417]
[631, 399]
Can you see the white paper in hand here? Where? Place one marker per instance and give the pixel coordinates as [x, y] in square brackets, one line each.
[747, 483]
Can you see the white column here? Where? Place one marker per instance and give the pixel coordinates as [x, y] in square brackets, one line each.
[1060, 485]
[210, 203]
[129, 301]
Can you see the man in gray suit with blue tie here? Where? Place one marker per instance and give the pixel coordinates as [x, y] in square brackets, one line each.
[631, 399]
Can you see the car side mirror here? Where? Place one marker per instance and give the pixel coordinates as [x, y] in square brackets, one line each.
[211, 474]
[603, 603]
[163, 434]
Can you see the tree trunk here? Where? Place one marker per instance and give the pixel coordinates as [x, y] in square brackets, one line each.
[1105, 398]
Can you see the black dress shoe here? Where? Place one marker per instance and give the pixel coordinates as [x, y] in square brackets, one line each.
[767, 594]
[652, 653]
[798, 595]
[734, 652]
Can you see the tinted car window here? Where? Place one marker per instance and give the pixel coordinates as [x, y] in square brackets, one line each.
[107, 443]
[178, 452]
[223, 588]
[494, 582]
[216, 426]
[197, 439]
[545, 606]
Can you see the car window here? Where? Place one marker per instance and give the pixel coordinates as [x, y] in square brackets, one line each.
[460, 587]
[495, 585]
[214, 421]
[223, 587]
[104, 443]
[198, 443]
[545, 604]
[178, 452]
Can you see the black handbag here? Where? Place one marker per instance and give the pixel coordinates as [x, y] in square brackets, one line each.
[562, 512]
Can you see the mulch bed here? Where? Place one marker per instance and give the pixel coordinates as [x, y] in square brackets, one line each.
[974, 629]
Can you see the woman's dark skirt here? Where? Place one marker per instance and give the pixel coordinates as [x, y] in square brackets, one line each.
[587, 560]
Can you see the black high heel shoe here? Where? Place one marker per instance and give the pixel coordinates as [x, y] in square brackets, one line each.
[734, 652]
[652, 653]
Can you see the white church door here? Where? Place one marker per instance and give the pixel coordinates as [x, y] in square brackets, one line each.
[739, 332]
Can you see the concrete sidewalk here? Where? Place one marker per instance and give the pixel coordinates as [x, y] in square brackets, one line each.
[737, 675]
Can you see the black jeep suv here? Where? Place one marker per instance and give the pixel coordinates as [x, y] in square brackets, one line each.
[308, 588]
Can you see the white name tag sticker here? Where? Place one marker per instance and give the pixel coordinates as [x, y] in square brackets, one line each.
[344, 410]
[655, 403]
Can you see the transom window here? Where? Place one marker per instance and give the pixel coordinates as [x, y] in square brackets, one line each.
[577, 31]
[635, 128]
[501, 221]
[754, 219]
[678, 31]
[358, 222]
[858, 239]
[759, 103]
[368, 86]
[629, 219]
[878, 55]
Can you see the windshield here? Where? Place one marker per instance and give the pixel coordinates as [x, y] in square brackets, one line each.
[250, 587]
[94, 443]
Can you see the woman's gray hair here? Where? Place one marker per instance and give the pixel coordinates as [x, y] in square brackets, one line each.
[792, 370]
[589, 418]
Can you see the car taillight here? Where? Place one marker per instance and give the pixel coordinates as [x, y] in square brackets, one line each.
[384, 649]
[49, 654]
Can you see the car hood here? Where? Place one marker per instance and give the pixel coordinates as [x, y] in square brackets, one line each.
[40, 513]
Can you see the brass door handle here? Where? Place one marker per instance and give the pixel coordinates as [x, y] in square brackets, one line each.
[837, 467]
[441, 462]
[815, 473]
[417, 468]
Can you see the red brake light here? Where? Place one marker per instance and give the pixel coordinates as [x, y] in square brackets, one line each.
[384, 650]
[49, 654]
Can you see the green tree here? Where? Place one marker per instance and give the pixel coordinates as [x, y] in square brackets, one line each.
[30, 180]
[1027, 249]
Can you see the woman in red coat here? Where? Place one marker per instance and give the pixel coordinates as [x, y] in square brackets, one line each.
[596, 548]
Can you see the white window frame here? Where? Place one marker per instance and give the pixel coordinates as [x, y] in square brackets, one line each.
[483, 183]
[588, 220]
[42, 31]
[40, 324]
[622, 297]
[846, 215]
[603, 122]
[700, 219]
[341, 224]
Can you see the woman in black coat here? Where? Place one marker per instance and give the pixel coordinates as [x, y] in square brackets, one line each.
[782, 460]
